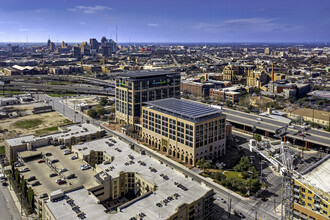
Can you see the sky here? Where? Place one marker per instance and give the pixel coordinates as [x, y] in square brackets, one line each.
[166, 20]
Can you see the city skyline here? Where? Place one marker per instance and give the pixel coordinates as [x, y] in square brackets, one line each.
[167, 22]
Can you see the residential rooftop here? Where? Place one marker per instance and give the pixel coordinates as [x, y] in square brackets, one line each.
[184, 109]
[150, 169]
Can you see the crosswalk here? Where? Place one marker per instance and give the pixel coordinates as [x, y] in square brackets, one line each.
[270, 176]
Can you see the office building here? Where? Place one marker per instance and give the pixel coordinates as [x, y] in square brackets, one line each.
[109, 47]
[184, 129]
[94, 44]
[311, 192]
[135, 87]
[257, 78]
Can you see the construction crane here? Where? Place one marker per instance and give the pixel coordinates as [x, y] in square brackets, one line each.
[287, 180]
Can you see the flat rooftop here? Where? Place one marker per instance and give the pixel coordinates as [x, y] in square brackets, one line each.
[151, 170]
[184, 109]
[145, 74]
[319, 176]
[85, 203]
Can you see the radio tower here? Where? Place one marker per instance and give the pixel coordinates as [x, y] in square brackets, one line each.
[287, 180]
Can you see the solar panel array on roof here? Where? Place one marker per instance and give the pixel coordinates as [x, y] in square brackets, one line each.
[184, 108]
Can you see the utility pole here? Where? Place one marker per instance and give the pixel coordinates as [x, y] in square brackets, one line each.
[229, 208]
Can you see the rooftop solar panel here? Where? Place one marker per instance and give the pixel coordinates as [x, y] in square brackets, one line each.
[184, 108]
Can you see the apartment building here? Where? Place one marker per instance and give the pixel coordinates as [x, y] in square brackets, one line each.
[311, 193]
[136, 87]
[183, 129]
[196, 88]
[225, 95]
[311, 115]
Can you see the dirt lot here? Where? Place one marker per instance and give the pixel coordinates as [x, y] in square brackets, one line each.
[38, 124]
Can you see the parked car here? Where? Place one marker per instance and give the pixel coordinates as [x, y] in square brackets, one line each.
[55, 161]
[67, 152]
[44, 195]
[31, 178]
[72, 175]
[74, 157]
[24, 170]
[4, 184]
[61, 182]
[239, 214]
[85, 167]
[62, 147]
[48, 154]
[52, 174]
[35, 183]
[63, 170]
[41, 161]
[221, 200]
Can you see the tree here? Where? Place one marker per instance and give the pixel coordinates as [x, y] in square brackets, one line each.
[17, 176]
[30, 197]
[219, 176]
[100, 110]
[24, 187]
[229, 103]
[203, 164]
[112, 109]
[92, 113]
[257, 137]
[243, 165]
[219, 98]
[103, 101]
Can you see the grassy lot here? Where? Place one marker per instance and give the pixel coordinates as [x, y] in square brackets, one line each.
[60, 94]
[2, 150]
[53, 129]
[7, 92]
[27, 124]
[44, 131]
[233, 174]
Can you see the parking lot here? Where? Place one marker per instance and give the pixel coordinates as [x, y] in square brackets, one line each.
[42, 171]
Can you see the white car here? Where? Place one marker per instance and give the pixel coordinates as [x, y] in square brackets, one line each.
[85, 167]
[221, 200]
[259, 119]
[292, 126]
[63, 170]
[67, 152]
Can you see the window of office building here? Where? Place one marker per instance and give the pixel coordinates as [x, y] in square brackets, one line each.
[172, 129]
[130, 110]
[164, 93]
[130, 97]
[165, 126]
[177, 91]
[189, 135]
[145, 84]
[180, 134]
[137, 97]
[171, 92]
[151, 121]
[216, 130]
[211, 124]
[130, 85]
[221, 129]
[157, 124]
[199, 136]
[205, 133]
[137, 110]
[144, 96]
[151, 95]
[158, 94]
[137, 85]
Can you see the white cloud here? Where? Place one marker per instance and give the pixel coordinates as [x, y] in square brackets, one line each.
[89, 9]
[243, 24]
[82, 23]
[153, 25]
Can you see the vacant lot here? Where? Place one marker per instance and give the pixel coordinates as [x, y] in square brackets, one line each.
[39, 124]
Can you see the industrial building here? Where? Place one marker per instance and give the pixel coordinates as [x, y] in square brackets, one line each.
[136, 87]
[183, 129]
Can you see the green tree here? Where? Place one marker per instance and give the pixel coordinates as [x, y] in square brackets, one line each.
[30, 197]
[17, 176]
[219, 176]
[23, 187]
[257, 137]
[243, 165]
[100, 110]
[203, 164]
[113, 109]
[103, 101]
[92, 113]
[229, 103]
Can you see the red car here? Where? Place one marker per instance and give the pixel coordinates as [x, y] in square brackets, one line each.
[61, 182]
[41, 161]
[302, 135]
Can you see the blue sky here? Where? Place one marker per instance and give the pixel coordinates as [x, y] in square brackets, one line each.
[166, 20]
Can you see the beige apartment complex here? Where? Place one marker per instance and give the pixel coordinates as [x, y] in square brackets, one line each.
[183, 129]
[136, 87]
